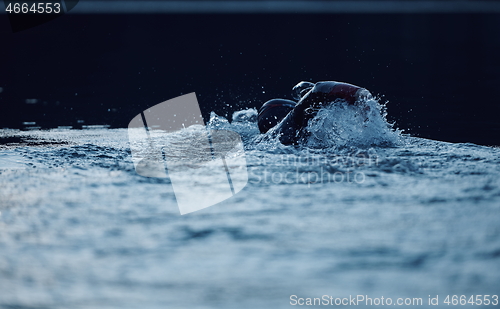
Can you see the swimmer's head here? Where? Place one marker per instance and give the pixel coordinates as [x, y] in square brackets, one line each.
[272, 112]
[301, 89]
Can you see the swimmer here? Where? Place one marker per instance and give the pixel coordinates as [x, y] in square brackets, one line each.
[288, 119]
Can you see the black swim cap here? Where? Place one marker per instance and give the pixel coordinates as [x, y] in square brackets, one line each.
[272, 112]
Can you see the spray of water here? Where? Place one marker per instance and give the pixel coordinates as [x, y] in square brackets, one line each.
[340, 125]
[336, 126]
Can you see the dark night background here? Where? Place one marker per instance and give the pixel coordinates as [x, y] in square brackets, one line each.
[439, 72]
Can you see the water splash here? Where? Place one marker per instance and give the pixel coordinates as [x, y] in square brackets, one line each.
[340, 125]
[336, 126]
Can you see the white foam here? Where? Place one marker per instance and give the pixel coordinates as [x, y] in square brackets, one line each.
[344, 125]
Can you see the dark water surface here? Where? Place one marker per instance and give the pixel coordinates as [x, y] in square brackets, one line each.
[415, 217]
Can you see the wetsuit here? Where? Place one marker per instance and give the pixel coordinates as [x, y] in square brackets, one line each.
[290, 126]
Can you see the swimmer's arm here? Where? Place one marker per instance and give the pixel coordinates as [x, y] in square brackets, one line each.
[322, 93]
[330, 91]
